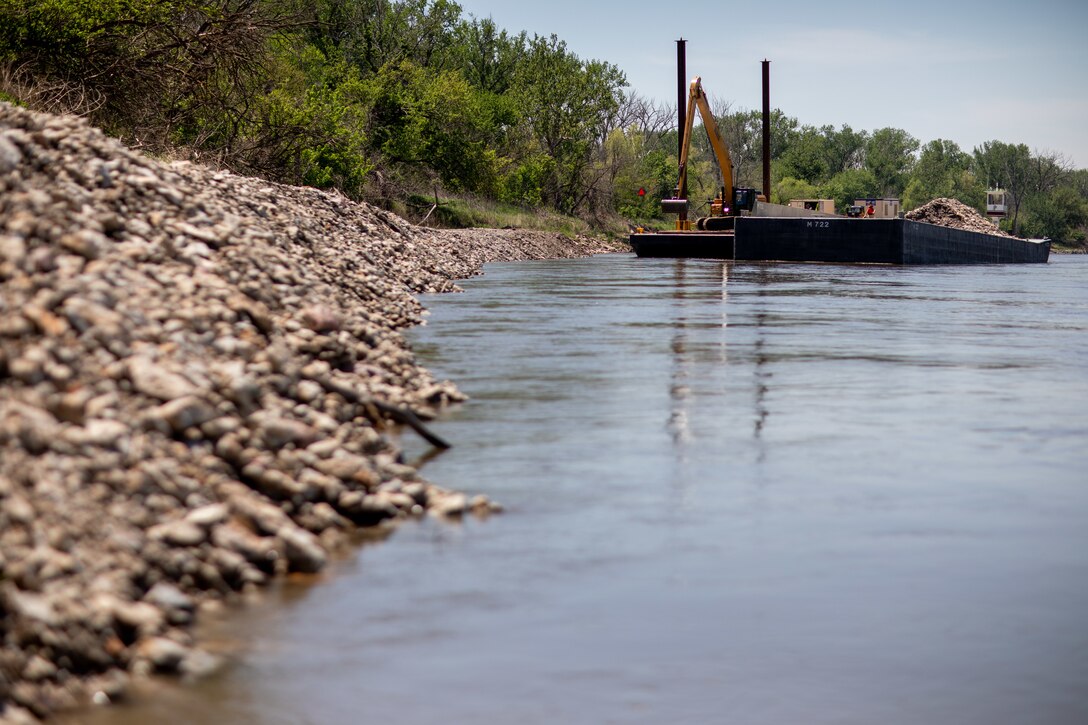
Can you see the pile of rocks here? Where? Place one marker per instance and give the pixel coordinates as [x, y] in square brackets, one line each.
[193, 369]
[952, 213]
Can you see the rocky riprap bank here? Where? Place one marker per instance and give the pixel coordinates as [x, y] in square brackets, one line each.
[193, 372]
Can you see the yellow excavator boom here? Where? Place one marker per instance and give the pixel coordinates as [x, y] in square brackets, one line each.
[697, 99]
[721, 206]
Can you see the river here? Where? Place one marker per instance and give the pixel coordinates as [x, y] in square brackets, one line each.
[735, 493]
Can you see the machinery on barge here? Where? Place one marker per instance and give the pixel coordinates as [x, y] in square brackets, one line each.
[730, 201]
[743, 225]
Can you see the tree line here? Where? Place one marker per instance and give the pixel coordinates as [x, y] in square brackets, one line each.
[388, 99]
[1045, 195]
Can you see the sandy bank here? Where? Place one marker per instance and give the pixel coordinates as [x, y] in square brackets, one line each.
[193, 372]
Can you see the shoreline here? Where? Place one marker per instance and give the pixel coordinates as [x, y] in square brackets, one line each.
[195, 369]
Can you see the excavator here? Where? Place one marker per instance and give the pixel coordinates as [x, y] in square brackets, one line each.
[730, 202]
[743, 228]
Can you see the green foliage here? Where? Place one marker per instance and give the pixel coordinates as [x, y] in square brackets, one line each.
[526, 183]
[458, 135]
[943, 170]
[400, 102]
[466, 212]
[333, 151]
[847, 186]
[68, 30]
[889, 157]
[845, 148]
[1024, 176]
[633, 165]
[374, 34]
[1059, 215]
[788, 188]
[435, 120]
[807, 156]
[307, 127]
[479, 109]
[489, 57]
[742, 132]
[1078, 180]
[568, 104]
[145, 69]
[1005, 166]
[386, 98]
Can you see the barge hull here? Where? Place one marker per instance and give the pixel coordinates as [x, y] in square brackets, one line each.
[841, 240]
[705, 245]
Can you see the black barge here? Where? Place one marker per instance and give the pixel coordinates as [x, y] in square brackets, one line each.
[842, 240]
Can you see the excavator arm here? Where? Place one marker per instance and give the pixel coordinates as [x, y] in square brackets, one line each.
[697, 100]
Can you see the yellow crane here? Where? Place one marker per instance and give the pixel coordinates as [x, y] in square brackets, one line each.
[730, 201]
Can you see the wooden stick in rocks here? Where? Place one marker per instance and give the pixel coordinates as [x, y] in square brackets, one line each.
[403, 416]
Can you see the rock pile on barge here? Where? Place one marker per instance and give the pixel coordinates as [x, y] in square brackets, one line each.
[954, 214]
[196, 375]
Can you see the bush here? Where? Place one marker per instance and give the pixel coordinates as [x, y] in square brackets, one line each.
[526, 183]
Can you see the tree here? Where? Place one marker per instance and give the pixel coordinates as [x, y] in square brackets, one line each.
[570, 106]
[1055, 207]
[640, 154]
[146, 64]
[847, 186]
[649, 118]
[310, 126]
[1005, 166]
[372, 34]
[1078, 180]
[807, 156]
[889, 156]
[488, 56]
[788, 188]
[433, 121]
[1059, 215]
[632, 164]
[942, 170]
[1022, 174]
[742, 132]
[817, 154]
[845, 148]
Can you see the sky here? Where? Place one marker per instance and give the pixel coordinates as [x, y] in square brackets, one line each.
[960, 70]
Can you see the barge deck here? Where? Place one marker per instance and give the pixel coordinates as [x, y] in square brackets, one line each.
[842, 240]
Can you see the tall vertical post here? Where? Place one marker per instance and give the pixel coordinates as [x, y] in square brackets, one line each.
[766, 129]
[681, 119]
[681, 94]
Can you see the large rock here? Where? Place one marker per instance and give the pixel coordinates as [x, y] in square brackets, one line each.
[150, 378]
[304, 551]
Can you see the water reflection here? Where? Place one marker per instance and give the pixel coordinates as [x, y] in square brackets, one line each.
[761, 369]
[679, 389]
[695, 304]
[922, 554]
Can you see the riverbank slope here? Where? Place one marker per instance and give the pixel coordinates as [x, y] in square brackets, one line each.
[196, 370]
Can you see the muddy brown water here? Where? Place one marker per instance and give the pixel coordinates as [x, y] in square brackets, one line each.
[735, 494]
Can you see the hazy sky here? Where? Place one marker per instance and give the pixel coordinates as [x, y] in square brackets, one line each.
[961, 70]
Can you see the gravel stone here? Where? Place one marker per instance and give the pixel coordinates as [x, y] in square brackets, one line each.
[189, 366]
[953, 213]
